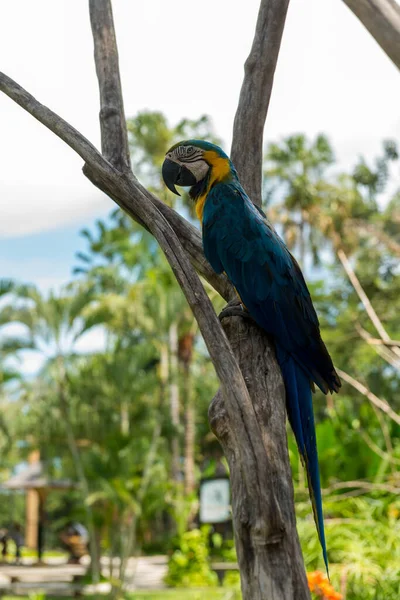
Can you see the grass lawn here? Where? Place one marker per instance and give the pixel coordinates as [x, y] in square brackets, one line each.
[174, 594]
[28, 553]
[210, 594]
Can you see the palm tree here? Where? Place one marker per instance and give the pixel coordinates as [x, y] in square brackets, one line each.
[9, 349]
[53, 325]
[297, 167]
[146, 299]
[186, 342]
[315, 208]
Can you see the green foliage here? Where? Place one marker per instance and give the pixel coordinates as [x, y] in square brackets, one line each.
[362, 537]
[189, 565]
[232, 579]
[188, 594]
[113, 405]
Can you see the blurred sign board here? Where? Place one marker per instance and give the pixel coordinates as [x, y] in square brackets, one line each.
[215, 506]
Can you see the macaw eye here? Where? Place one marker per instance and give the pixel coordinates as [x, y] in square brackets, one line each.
[186, 153]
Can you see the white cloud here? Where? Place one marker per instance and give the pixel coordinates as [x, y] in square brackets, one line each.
[183, 58]
[30, 363]
[28, 208]
[93, 340]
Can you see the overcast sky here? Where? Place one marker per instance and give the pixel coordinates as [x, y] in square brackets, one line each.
[185, 59]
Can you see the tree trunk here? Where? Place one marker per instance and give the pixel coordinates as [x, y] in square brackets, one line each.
[95, 565]
[124, 418]
[250, 423]
[163, 375]
[185, 353]
[174, 399]
[268, 548]
[190, 435]
[190, 431]
[302, 241]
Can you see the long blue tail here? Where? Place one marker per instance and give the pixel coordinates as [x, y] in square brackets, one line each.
[301, 417]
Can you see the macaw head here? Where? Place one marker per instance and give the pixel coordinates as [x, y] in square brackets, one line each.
[197, 164]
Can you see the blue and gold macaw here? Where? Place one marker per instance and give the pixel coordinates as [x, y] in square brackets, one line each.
[239, 239]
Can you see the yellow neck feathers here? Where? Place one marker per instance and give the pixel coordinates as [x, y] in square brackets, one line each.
[220, 169]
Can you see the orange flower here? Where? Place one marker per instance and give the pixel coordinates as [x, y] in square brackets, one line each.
[393, 511]
[319, 584]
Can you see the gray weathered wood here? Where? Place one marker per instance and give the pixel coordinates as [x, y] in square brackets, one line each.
[255, 94]
[251, 427]
[267, 544]
[237, 401]
[382, 19]
[268, 548]
[188, 234]
[114, 136]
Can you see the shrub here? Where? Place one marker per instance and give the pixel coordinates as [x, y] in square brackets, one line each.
[189, 565]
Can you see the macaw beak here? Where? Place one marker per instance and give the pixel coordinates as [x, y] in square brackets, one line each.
[173, 173]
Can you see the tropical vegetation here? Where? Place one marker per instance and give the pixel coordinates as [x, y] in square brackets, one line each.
[127, 423]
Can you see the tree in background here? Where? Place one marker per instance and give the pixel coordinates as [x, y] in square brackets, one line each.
[119, 397]
[251, 473]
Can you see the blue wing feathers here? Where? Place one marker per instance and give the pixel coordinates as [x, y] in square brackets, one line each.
[238, 239]
[301, 419]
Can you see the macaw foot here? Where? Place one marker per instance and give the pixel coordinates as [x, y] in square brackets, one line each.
[235, 308]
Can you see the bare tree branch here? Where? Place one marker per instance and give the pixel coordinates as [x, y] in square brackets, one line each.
[364, 299]
[251, 455]
[385, 431]
[267, 544]
[256, 461]
[364, 485]
[259, 70]
[373, 230]
[191, 241]
[382, 19]
[52, 121]
[114, 136]
[378, 402]
[380, 347]
[375, 448]
[270, 516]
[189, 236]
[259, 465]
[249, 444]
[378, 342]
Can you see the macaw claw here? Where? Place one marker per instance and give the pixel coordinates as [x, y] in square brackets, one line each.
[235, 308]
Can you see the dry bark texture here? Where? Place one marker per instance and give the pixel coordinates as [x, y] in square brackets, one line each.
[249, 421]
[382, 19]
[114, 135]
[259, 70]
[269, 554]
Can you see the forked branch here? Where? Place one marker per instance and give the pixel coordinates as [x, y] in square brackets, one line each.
[238, 403]
[253, 429]
[382, 348]
[378, 402]
[98, 165]
[124, 189]
[366, 302]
